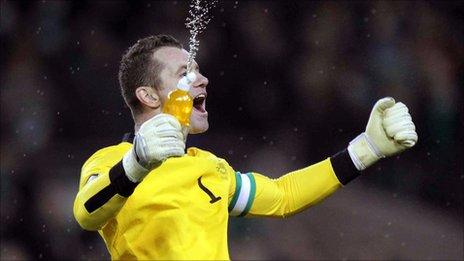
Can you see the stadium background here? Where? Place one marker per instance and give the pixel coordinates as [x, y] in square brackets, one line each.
[290, 84]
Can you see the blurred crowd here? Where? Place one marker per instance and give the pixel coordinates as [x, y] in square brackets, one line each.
[291, 83]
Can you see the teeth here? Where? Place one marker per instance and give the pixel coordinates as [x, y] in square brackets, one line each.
[202, 95]
[199, 100]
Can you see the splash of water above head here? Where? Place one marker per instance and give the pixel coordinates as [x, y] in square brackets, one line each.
[196, 22]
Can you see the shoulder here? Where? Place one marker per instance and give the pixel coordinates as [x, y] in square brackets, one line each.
[221, 164]
[103, 160]
[108, 155]
[200, 153]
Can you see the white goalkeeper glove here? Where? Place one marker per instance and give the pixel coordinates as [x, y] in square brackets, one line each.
[158, 138]
[389, 131]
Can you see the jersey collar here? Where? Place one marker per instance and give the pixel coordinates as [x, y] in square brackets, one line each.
[128, 137]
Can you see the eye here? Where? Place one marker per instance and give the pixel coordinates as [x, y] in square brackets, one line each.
[183, 74]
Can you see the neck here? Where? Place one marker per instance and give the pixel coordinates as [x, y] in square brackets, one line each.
[141, 118]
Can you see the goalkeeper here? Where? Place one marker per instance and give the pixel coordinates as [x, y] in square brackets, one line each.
[150, 199]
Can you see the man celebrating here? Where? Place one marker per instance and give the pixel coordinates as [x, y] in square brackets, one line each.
[149, 199]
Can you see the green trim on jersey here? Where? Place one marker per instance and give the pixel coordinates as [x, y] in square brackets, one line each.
[251, 198]
[238, 187]
[245, 190]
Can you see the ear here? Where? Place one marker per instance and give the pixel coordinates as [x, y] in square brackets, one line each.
[148, 97]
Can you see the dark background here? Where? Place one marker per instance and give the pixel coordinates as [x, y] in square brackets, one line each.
[291, 83]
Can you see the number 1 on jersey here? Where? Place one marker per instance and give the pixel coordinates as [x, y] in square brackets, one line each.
[207, 191]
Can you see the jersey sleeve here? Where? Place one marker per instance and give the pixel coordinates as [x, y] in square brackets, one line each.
[257, 195]
[103, 188]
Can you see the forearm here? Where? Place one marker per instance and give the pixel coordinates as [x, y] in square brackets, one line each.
[298, 190]
[101, 199]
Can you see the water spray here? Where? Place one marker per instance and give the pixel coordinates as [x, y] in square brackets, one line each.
[179, 102]
[196, 22]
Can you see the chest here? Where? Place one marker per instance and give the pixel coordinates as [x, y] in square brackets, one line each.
[190, 186]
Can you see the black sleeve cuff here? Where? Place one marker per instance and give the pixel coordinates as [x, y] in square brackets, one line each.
[343, 167]
[121, 183]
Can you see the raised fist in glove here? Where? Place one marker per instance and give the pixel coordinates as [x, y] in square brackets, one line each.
[158, 138]
[389, 131]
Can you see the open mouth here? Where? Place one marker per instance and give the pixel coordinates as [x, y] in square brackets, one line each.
[199, 102]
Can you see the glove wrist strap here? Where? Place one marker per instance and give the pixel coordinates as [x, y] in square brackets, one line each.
[363, 152]
[134, 171]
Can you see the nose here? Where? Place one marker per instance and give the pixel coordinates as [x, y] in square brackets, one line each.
[201, 81]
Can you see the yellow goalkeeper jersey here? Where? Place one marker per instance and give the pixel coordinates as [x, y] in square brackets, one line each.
[181, 209]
